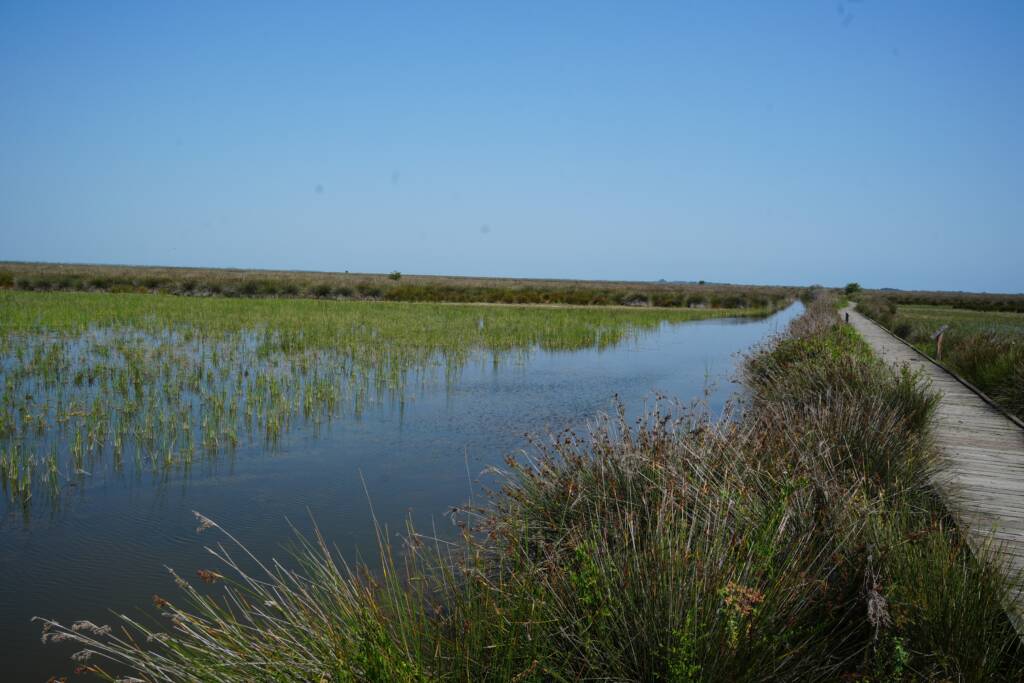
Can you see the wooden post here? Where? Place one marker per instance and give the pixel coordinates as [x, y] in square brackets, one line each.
[938, 341]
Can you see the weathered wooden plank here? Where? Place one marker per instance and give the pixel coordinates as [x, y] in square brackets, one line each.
[981, 469]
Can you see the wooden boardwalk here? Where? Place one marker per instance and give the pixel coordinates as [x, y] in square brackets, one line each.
[981, 476]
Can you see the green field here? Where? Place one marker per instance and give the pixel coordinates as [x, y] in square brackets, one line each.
[154, 382]
[924, 320]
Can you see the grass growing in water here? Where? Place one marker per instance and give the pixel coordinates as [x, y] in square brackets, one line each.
[153, 383]
[798, 540]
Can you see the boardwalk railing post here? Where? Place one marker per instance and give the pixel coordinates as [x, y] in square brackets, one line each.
[938, 341]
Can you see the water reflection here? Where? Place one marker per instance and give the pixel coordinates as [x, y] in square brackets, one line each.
[417, 453]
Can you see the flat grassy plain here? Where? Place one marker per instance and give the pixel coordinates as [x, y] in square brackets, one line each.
[152, 382]
[986, 347]
[797, 539]
[390, 287]
[975, 301]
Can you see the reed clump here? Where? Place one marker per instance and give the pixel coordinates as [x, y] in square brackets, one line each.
[795, 539]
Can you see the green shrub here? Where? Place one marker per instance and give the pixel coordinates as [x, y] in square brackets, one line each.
[368, 290]
[321, 290]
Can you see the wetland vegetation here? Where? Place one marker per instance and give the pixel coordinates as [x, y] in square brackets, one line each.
[971, 301]
[797, 538]
[984, 342]
[391, 287]
[150, 383]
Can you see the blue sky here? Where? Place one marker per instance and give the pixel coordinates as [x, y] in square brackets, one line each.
[763, 142]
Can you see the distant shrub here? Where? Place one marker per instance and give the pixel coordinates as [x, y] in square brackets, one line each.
[880, 309]
[732, 301]
[369, 291]
[852, 288]
[321, 290]
[635, 299]
[902, 328]
[394, 275]
[258, 287]
[696, 301]
[6, 279]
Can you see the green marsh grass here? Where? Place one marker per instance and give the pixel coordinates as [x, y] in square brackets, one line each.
[94, 381]
[795, 539]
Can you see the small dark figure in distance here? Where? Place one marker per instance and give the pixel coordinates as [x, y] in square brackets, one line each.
[847, 318]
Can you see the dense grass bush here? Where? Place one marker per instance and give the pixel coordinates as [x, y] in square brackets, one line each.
[878, 308]
[321, 290]
[797, 538]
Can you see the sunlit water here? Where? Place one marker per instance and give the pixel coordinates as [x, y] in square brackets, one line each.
[106, 546]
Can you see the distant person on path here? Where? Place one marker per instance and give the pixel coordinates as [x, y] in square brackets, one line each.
[847, 317]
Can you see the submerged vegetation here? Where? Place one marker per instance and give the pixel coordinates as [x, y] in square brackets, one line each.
[797, 539]
[94, 382]
[395, 286]
[984, 347]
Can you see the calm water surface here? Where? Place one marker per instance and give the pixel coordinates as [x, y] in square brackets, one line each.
[107, 546]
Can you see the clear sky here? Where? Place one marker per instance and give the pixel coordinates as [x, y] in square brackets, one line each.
[754, 142]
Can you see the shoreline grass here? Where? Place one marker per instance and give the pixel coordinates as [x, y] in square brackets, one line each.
[798, 539]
